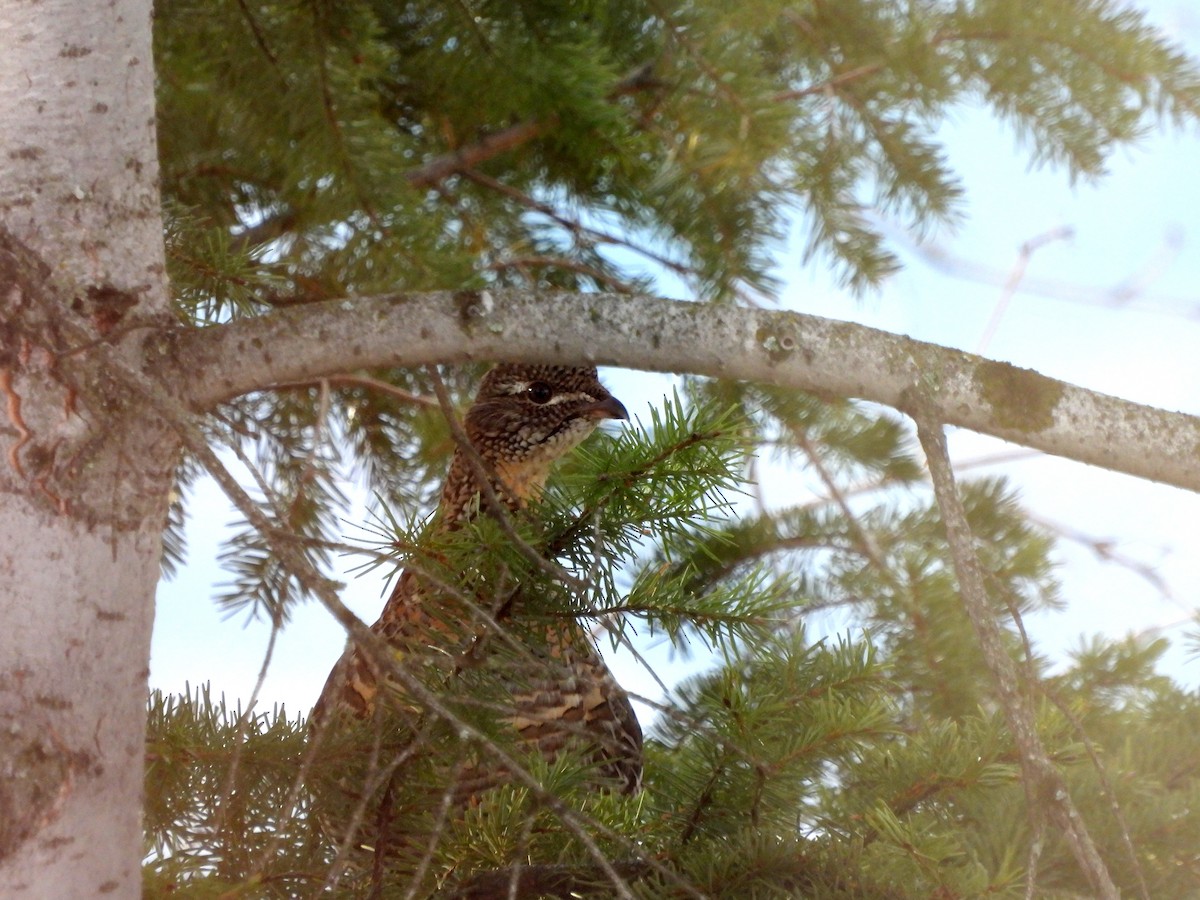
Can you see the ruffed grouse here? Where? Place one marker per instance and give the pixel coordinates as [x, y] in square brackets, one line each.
[559, 691]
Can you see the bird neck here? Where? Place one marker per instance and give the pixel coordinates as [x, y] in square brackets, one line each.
[515, 485]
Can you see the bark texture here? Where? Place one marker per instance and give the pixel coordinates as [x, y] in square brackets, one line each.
[85, 473]
[808, 353]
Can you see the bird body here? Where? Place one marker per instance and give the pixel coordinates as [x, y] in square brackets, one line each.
[556, 688]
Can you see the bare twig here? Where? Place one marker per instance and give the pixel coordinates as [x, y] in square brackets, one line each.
[261, 40]
[1106, 786]
[1024, 255]
[1036, 846]
[1105, 550]
[333, 117]
[435, 835]
[353, 380]
[1115, 296]
[438, 169]
[375, 778]
[830, 83]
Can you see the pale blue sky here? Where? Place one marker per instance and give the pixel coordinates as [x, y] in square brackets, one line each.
[1142, 222]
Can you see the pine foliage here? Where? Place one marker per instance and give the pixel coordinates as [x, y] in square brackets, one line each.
[844, 739]
[798, 767]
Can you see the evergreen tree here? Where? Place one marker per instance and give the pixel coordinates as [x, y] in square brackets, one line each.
[317, 150]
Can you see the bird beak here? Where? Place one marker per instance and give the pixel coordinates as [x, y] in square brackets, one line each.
[608, 408]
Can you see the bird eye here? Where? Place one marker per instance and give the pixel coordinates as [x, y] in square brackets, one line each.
[539, 392]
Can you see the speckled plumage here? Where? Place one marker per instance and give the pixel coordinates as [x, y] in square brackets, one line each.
[524, 417]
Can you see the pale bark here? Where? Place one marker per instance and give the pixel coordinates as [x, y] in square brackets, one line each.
[804, 352]
[84, 476]
[80, 158]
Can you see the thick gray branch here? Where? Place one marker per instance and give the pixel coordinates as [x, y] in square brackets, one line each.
[789, 349]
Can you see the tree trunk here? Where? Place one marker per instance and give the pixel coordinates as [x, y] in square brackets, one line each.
[85, 472]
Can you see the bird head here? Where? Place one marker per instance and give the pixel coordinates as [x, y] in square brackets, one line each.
[525, 417]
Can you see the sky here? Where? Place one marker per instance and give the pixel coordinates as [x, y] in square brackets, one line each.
[1109, 300]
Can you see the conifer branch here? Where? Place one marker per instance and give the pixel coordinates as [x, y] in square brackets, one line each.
[347, 161]
[1106, 785]
[539, 881]
[866, 543]
[260, 38]
[376, 648]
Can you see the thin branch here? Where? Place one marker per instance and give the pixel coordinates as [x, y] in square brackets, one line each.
[440, 168]
[577, 228]
[1045, 790]
[521, 263]
[1036, 846]
[243, 724]
[374, 384]
[514, 881]
[681, 35]
[831, 83]
[624, 641]
[261, 40]
[867, 543]
[1035, 684]
[374, 778]
[1120, 295]
[435, 835]
[250, 238]
[1106, 550]
[346, 159]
